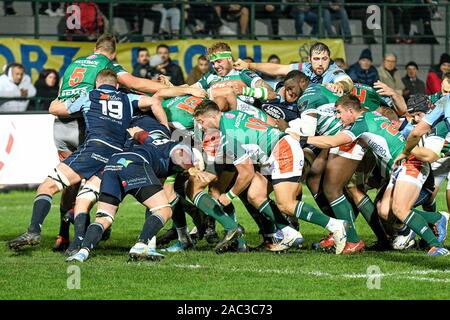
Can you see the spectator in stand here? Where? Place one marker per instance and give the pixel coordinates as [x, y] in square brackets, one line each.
[269, 79]
[363, 71]
[271, 12]
[416, 13]
[169, 13]
[145, 66]
[413, 85]
[47, 87]
[360, 13]
[134, 15]
[235, 12]
[341, 63]
[336, 11]
[14, 83]
[199, 70]
[8, 8]
[302, 12]
[167, 67]
[389, 74]
[202, 18]
[52, 9]
[434, 78]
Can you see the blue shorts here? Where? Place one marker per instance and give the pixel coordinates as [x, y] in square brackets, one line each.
[90, 158]
[125, 172]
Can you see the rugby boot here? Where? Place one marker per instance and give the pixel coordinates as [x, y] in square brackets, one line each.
[354, 247]
[25, 239]
[229, 237]
[61, 244]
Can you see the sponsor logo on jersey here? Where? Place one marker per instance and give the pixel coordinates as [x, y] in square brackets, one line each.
[92, 56]
[378, 149]
[124, 162]
[274, 111]
[229, 115]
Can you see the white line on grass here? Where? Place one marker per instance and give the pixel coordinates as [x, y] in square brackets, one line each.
[408, 275]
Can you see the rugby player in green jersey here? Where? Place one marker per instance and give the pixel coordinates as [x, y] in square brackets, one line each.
[385, 141]
[246, 141]
[249, 85]
[332, 169]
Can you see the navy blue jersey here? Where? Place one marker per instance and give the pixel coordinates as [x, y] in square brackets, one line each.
[107, 114]
[157, 146]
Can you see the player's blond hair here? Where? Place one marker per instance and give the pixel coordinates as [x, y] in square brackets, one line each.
[107, 76]
[106, 43]
[218, 47]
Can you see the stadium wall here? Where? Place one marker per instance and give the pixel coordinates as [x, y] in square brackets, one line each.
[27, 151]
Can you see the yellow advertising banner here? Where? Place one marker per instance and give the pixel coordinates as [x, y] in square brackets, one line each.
[36, 55]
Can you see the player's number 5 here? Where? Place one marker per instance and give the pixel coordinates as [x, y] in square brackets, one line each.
[112, 109]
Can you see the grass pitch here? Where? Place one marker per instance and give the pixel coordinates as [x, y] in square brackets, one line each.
[40, 273]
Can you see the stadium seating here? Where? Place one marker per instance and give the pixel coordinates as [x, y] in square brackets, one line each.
[424, 55]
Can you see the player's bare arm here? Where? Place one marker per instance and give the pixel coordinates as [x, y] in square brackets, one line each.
[180, 91]
[399, 103]
[324, 142]
[266, 67]
[413, 139]
[58, 108]
[140, 84]
[154, 104]
[246, 172]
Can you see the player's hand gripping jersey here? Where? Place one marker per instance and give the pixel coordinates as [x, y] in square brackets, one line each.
[318, 100]
[381, 136]
[241, 79]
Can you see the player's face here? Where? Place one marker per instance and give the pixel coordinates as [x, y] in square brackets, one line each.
[143, 57]
[222, 66]
[203, 65]
[17, 75]
[417, 116]
[319, 62]
[208, 121]
[345, 114]
[445, 87]
[292, 91]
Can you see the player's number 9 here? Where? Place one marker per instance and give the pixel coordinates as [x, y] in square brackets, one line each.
[113, 109]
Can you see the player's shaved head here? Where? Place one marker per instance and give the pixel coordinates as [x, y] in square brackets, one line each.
[297, 76]
[349, 102]
[106, 76]
[206, 106]
[106, 43]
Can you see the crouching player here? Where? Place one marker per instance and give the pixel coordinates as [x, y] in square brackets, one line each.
[138, 172]
[387, 143]
[245, 138]
[108, 114]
